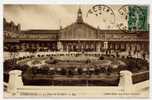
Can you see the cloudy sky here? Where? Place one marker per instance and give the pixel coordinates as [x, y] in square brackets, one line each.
[51, 16]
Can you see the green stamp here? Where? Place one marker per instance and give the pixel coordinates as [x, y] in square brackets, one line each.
[137, 18]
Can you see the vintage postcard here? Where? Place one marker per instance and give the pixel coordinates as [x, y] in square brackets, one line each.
[72, 50]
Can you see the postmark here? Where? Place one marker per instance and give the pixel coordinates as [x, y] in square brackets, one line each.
[105, 12]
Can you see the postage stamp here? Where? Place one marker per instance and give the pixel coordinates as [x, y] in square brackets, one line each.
[136, 16]
[76, 50]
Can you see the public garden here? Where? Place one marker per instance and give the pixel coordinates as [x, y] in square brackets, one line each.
[76, 69]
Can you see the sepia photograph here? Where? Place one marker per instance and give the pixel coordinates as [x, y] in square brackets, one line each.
[53, 50]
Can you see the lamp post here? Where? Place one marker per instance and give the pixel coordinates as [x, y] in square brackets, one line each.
[105, 43]
[13, 54]
[106, 46]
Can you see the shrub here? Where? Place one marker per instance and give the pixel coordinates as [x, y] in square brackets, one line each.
[80, 71]
[24, 67]
[63, 71]
[34, 70]
[51, 72]
[132, 65]
[16, 67]
[123, 57]
[44, 69]
[97, 71]
[53, 61]
[70, 73]
[88, 61]
[36, 62]
[101, 58]
[51, 58]
[109, 70]
[9, 64]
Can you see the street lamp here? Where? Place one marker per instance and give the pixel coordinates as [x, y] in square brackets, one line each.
[13, 54]
[105, 46]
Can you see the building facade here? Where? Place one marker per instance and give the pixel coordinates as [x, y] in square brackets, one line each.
[77, 37]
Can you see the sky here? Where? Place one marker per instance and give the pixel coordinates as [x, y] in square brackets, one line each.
[54, 16]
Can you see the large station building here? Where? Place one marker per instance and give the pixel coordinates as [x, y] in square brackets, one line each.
[77, 37]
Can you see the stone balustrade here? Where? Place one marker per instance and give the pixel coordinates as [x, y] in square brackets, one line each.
[126, 88]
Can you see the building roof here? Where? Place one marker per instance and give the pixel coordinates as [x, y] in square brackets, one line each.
[79, 22]
[38, 31]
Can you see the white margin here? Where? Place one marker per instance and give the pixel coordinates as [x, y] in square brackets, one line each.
[147, 2]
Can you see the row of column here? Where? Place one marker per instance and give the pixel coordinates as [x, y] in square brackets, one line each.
[30, 45]
[99, 46]
[79, 46]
